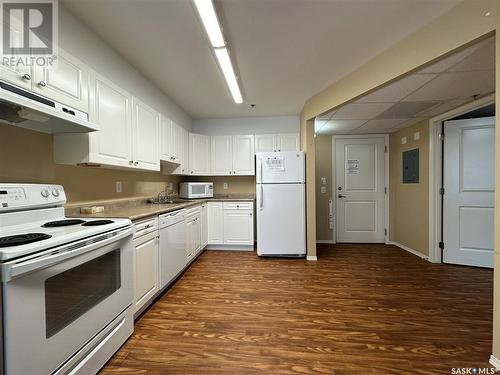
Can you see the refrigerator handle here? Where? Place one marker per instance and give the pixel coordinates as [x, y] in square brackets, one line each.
[260, 170]
[261, 197]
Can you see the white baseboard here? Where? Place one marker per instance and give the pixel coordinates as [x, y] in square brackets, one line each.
[312, 257]
[325, 241]
[410, 250]
[495, 362]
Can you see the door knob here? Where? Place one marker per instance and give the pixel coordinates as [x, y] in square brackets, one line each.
[342, 196]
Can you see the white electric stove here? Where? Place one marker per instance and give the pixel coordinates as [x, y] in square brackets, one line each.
[67, 284]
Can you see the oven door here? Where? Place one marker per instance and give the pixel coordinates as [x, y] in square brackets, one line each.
[56, 302]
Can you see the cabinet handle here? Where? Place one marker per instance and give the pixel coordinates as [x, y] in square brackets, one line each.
[131, 162]
[191, 172]
[42, 84]
[136, 162]
[26, 76]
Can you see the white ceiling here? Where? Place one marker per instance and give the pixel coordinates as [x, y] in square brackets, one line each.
[285, 50]
[435, 89]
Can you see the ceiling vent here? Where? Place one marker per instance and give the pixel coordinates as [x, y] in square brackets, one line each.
[407, 109]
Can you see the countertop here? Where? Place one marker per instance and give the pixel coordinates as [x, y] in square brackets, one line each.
[138, 208]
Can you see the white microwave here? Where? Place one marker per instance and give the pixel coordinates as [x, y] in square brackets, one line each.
[191, 190]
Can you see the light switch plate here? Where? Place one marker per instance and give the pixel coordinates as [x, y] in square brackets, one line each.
[119, 186]
[323, 180]
[404, 140]
[416, 136]
[323, 189]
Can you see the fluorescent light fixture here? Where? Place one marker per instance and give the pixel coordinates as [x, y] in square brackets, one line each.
[208, 16]
[227, 69]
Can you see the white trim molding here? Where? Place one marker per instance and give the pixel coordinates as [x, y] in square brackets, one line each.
[410, 250]
[495, 362]
[312, 257]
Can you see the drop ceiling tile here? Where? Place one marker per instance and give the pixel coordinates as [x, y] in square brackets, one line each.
[407, 109]
[481, 59]
[397, 90]
[457, 85]
[371, 131]
[342, 125]
[408, 123]
[356, 111]
[444, 107]
[381, 124]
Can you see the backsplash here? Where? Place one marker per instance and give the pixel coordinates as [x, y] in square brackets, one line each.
[27, 157]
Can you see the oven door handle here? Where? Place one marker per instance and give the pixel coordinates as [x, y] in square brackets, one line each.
[14, 269]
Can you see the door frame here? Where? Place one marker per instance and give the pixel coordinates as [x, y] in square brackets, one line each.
[385, 137]
[436, 170]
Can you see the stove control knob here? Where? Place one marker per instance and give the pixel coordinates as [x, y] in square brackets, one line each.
[55, 193]
[45, 193]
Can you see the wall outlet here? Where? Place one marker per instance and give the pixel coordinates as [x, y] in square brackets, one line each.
[119, 186]
[169, 187]
[323, 189]
[416, 136]
[226, 186]
[323, 180]
[404, 140]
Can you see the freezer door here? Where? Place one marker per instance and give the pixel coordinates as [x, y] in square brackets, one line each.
[280, 167]
[281, 224]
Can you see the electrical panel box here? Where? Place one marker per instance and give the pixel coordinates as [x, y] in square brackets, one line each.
[411, 168]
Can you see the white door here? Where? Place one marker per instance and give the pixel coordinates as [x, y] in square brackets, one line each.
[222, 155]
[110, 108]
[243, 155]
[469, 187]
[68, 83]
[360, 189]
[287, 142]
[145, 136]
[215, 223]
[145, 269]
[265, 143]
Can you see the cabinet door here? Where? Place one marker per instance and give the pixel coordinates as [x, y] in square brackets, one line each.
[243, 155]
[190, 239]
[68, 83]
[238, 227]
[204, 226]
[110, 108]
[166, 139]
[288, 142]
[197, 234]
[222, 151]
[265, 143]
[199, 154]
[145, 269]
[145, 136]
[215, 223]
[183, 159]
[19, 74]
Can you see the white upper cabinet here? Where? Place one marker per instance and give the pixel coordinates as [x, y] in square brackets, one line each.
[288, 142]
[111, 109]
[277, 142]
[265, 143]
[199, 154]
[182, 147]
[222, 155]
[145, 136]
[166, 142]
[243, 155]
[18, 75]
[68, 83]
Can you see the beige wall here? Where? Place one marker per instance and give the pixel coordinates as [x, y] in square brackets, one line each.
[323, 169]
[462, 25]
[27, 157]
[409, 203]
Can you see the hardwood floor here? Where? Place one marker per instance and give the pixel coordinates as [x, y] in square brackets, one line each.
[361, 309]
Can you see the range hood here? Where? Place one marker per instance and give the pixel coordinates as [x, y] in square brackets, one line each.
[23, 108]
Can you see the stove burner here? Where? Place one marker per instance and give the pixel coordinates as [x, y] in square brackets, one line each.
[21, 239]
[97, 222]
[63, 223]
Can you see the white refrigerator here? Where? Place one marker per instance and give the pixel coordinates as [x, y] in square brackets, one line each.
[281, 222]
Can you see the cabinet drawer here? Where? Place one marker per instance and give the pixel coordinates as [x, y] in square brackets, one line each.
[238, 205]
[193, 212]
[146, 226]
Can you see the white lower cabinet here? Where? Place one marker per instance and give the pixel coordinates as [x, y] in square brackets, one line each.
[145, 262]
[193, 228]
[204, 225]
[230, 223]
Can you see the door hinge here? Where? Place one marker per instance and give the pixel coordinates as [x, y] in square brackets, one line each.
[441, 191]
[385, 148]
[441, 136]
[385, 190]
[385, 232]
[441, 245]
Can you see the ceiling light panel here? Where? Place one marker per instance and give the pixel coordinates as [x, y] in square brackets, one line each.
[208, 16]
[226, 66]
